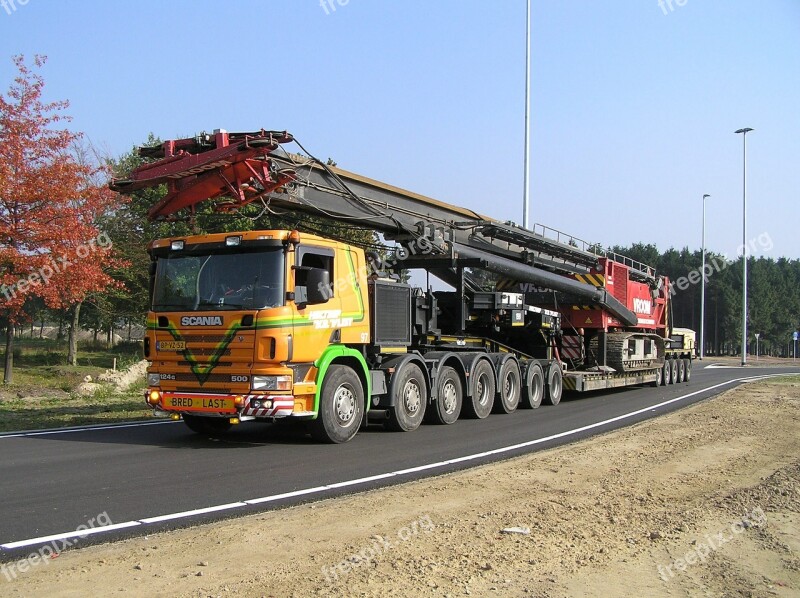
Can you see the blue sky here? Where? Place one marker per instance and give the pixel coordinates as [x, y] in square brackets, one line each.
[633, 103]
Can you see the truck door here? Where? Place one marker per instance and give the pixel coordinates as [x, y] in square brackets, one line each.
[315, 326]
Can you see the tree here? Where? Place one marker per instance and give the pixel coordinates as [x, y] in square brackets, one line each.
[49, 202]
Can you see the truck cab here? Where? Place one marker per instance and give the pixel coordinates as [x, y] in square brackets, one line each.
[242, 323]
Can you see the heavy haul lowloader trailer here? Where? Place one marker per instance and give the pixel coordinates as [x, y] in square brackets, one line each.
[275, 324]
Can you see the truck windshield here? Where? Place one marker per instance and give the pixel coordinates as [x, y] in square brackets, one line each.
[219, 281]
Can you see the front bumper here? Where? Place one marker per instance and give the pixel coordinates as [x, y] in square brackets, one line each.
[225, 405]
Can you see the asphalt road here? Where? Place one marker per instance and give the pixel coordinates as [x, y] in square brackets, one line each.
[140, 478]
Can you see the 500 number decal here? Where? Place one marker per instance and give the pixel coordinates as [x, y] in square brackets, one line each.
[240, 378]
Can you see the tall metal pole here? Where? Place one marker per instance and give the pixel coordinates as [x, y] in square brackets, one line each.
[744, 133]
[526, 192]
[703, 285]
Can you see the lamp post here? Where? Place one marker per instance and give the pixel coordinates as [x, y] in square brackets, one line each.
[757, 335]
[744, 133]
[526, 183]
[703, 285]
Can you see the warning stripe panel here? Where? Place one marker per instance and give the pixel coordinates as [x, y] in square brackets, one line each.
[505, 284]
[597, 280]
[572, 347]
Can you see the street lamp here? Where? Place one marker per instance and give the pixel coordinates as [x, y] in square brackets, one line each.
[744, 133]
[703, 285]
[757, 335]
[526, 200]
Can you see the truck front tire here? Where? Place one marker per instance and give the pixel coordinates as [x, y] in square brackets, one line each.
[341, 406]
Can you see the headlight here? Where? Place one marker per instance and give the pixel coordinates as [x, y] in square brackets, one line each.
[153, 379]
[272, 383]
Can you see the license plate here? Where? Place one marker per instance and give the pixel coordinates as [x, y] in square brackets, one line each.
[171, 345]
[200, 404]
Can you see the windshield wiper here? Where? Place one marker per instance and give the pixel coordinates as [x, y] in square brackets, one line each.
[219, 305]
[181, 306]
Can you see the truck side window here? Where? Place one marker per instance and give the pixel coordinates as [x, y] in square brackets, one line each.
[312, 257]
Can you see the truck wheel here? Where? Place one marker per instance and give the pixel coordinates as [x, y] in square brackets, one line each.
[509, 388]
[687, 370]
[533, 392]
[659, 377]
[341, 406]
[555, 384]
[673, 364]
[666, 373]
[410, 400]
[447, 407]
[480, 404]
[209, 426]
[681, 370]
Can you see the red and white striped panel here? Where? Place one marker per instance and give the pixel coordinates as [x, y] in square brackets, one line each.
[281, 406]
[572, 347]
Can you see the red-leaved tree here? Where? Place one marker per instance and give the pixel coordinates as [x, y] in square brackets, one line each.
[49, 201]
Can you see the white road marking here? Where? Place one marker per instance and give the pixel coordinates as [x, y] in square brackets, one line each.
[83, 429]
[184, 514]
[75, 534]
[320, 489]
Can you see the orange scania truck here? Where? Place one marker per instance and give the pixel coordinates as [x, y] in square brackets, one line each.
[276, 324]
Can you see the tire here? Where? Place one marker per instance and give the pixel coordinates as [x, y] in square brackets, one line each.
[687, 368]
[341, 406]
[681, 370]
[659, 378]
[208, 426]
[666, 374]
[410, 400]
[480, 404]
[673, 364]
[555, 384]
[450, 395]
[533, 391]
[509, 388]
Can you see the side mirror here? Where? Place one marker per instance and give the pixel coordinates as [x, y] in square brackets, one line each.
[318, 286]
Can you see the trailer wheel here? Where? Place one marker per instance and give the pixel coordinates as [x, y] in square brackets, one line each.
[480, 404]
[208, 426]
[673, 364]
[666, 373]
[410, 400]
[659, 377]
[681, 370]
[533, 392]
[687, 370]
[555, 384]
[451, 396]
[341, 406]
[509, 388]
